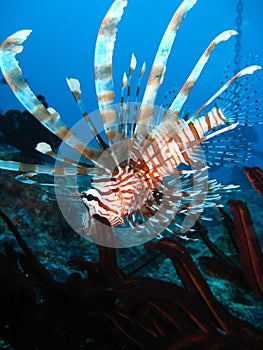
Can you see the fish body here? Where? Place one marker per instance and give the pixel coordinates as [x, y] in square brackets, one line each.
[153, 166]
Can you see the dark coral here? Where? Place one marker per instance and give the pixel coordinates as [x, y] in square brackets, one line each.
[246, 267]
[110, 309]
[23, 131]
[255, 176]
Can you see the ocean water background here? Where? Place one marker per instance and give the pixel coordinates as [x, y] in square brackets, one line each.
[62, 45]
[64, 35]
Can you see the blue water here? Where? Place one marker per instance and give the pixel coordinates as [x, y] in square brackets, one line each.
[64, 34]
[62, 45]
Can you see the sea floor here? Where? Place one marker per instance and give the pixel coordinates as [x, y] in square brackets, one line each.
[54, 243]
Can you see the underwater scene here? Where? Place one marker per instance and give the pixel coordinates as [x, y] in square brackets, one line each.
[131, 174]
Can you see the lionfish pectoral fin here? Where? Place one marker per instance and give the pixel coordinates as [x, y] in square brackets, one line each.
[97, 229]
[203, 195]
[49, 118]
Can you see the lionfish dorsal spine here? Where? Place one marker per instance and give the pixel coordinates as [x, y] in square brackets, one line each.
[128, 124]
[159, 66]
[138, 89]
[142, 71]
[132, 67]
[122, 101]
[103, 68]
[246, 71]
[74, 86]
[13, 75]
[184, 93]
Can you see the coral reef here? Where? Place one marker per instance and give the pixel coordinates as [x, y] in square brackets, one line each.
[103, 306]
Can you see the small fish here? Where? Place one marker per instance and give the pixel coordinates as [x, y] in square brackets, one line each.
[149, 171]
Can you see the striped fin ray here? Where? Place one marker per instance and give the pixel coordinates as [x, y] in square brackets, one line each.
[13, 76]
[33, 179]
[195, 199]
[202, 125]
[127, 109]
[198, 128]
[131, 70]
[179, 143]
[246, 71]
[123, 106]
[127, 112]
[176, 196]
[138, 89]
[163, 154]
[42, 169]
[142, 71]
[45, 148]
[31, 171]
[242, 101]
[191, 80]
[74, 86]
[103, 67]
[159, 66]
[155, 215]
[210, 135]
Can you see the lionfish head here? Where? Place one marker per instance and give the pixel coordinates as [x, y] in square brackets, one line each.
[90, 199]
[96, 207]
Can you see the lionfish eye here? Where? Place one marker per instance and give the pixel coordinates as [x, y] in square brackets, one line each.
[88, 197]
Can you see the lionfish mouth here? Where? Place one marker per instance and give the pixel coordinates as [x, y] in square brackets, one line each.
[148, 169]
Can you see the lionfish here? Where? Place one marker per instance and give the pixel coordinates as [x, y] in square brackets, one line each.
[148, 168]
